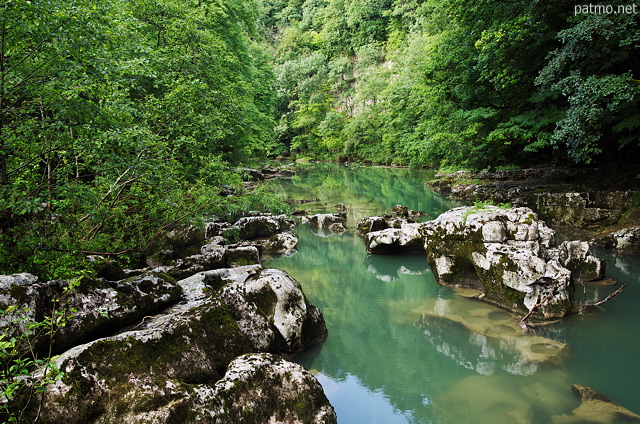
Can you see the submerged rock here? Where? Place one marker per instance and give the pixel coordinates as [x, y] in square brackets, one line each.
[494, 340]
[596, 408]
[506, 254]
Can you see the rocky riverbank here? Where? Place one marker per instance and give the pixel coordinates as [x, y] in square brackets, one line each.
[578, 198]
[194, 337]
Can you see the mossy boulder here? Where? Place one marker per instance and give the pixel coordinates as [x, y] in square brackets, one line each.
[191, 344]
[582, 209]
[262, 388]
[92, 307]
[510, 256]
[273, 312]
[164, 369]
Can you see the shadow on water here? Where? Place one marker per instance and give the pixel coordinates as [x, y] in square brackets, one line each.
[402, 349]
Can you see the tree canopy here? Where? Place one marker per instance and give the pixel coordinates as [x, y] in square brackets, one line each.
[453, 83]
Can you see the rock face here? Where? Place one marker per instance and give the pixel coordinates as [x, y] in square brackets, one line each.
[582, 209]
[510, 256]
[625, 240]
[165, 368]
[562, 196]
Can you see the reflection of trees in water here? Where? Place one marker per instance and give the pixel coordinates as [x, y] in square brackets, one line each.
[359, 185]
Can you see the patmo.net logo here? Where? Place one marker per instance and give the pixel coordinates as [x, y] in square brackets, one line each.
[605, 9]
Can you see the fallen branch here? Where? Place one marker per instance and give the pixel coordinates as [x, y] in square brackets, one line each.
[610, 296]
[522, 322]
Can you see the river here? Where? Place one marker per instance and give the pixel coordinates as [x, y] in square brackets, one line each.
[403, 349]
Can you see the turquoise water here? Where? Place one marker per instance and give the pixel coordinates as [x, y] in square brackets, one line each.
[402, 349]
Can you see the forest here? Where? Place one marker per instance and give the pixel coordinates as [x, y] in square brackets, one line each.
[120, 118]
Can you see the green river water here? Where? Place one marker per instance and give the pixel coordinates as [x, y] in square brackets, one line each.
[403, 349]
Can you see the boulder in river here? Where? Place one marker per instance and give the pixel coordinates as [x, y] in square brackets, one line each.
[379, 223]
[625, 240]
[401, 211]
[406, 239]
[502, 252]
[328, 223]
[263, 225]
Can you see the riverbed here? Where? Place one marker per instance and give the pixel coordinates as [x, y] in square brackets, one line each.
[403, 349]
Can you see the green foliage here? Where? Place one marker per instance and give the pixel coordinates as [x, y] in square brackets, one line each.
[25, 375]
[119, 118]
[448, 83]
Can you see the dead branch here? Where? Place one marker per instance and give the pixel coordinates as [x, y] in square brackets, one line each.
[610, 296]
[522, 323]
[152, 240]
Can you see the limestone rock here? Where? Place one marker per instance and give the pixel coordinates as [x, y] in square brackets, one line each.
[211, 256]
[575, 256]
[406, 239]
[118, 375]
[241, 255]
[278, 243]
[378, 223]
[261, 388]
[328, 223]
[272, 311]
[98, 305]
[185, 239]
[165, 368]
[252, 227]
[582, 209]
[510, 256]
[401, 211]
[625, 240]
